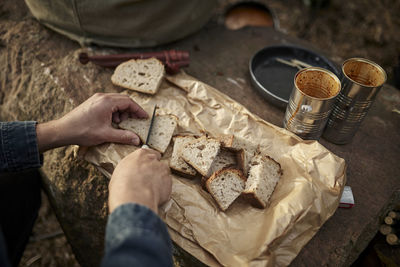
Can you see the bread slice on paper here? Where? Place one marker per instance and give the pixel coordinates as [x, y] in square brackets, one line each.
[163, 128]
[263, 177]
[200, 153]
[176, 163]
[142, 75]
[224, 159]
[225, 186]
[244, 148]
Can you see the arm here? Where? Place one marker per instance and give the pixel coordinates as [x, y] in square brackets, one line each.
[135, 235]
[18, 147]
[21, 143]
[90, 123]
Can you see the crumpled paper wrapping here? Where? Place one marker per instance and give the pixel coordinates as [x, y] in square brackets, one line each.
[305, 197]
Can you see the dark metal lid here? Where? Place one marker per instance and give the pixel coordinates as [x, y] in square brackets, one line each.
[274, 79]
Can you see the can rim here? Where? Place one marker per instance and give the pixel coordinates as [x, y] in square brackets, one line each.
[322, 70]
[368, 62]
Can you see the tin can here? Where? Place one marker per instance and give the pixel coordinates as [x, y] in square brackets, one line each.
[311, 101]
[362, 80]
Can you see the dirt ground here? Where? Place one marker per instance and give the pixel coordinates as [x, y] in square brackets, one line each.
[48, 245]
[363, 28]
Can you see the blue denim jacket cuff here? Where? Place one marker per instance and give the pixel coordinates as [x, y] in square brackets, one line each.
[19, 149]
[136, 224]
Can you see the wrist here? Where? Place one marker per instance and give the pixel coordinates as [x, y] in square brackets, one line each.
[144, 197]
[50, 135]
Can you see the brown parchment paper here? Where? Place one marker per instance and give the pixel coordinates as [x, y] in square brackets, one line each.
[305, 197]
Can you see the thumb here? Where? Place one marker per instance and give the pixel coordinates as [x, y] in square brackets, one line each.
[123, 137]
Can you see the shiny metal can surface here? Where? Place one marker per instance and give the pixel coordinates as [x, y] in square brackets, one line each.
[362, 80]
[311, 101]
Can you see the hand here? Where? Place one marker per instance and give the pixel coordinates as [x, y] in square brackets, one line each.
[140, 178]
[90, 123]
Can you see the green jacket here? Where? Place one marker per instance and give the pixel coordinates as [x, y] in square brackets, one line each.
[123, 23]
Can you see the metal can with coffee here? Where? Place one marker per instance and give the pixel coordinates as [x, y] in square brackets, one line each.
[311, 101]
[362, 80]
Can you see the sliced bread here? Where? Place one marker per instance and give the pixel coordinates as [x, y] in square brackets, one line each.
[244, 148]
[263, 177]
[176, 163]
[163, 128]
[225, 186]
[143, 75]
[200, 153]
[224, 159]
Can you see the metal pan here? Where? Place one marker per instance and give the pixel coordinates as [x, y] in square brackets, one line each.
[274, 79]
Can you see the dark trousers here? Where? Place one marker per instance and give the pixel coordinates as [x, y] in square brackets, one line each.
[19, 206]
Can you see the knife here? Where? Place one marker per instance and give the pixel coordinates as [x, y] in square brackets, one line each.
[145, 145]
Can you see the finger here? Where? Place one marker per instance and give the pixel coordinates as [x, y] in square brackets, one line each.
[134, 116]
[124, 115]
[116, 117]
[122, 136]
[125, 103]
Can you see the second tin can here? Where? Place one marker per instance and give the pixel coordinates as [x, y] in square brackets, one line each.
[362, 80]
[311, 101]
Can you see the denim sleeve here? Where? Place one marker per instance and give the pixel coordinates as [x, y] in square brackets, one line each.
[136, 236]
[18, 146]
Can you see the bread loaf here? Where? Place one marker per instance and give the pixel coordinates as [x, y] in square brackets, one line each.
[142, 75]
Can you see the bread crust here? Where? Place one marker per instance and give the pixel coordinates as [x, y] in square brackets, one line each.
[280, 167]
[203, 183]
[183, 174]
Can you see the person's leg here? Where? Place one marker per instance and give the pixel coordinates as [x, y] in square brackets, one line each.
[19, 206]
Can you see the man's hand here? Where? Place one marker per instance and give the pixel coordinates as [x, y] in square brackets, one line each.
[140, 178]
[90, 123]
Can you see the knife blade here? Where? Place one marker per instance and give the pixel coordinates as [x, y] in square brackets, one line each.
[145, 145]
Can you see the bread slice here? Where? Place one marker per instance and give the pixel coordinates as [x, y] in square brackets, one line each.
[143, 75]
[224, 159]
[244, 148]
[163, 128]
[225, 186]
[200, 153]
[263, 177]
[176, 163]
